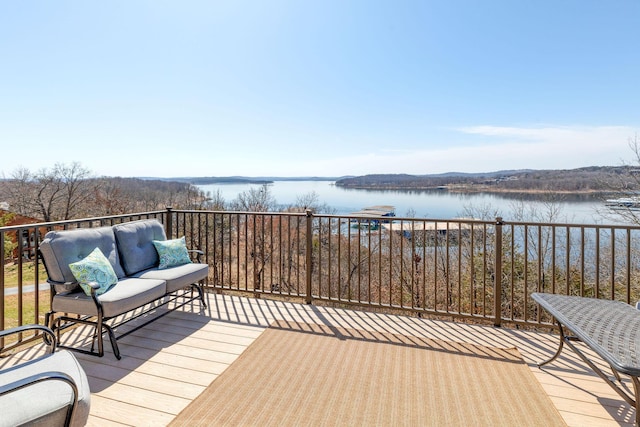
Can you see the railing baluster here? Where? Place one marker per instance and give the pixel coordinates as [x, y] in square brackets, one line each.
[2, 286]
[497, 291]
[309, 253]
[597, 289]
[628, 268]
[613, 264]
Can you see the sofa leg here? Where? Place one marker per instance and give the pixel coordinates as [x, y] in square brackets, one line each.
[114, 342]
[198, 286]
[96, 336]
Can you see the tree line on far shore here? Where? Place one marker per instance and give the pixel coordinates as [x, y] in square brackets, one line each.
[595, 179]
[70, 191]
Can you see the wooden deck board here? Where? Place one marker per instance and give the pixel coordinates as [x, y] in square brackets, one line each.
[183, 388]
[107, 411]
[140, 395]
[168, 363]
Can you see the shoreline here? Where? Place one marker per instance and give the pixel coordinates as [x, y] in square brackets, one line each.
[476, 189]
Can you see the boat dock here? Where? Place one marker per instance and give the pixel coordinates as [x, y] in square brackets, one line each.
[376, 211]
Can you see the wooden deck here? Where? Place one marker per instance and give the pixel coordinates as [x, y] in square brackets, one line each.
[168, 363]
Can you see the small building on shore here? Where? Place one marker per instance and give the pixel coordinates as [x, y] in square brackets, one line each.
[430, 232]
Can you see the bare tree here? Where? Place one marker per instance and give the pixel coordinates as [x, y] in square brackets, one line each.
[76, 188]
[626, 184]
[53, 194]
[18, 191]
[311, 201]
[110, 198]
[255, 200]
[215, 201]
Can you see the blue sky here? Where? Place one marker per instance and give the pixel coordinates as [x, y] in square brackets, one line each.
[325, 88]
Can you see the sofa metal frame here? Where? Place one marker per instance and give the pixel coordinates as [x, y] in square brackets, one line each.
[60, 323]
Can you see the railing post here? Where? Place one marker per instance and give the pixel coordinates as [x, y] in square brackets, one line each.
[497, 280]
[309, 253]
[2, 284]
[168, 226]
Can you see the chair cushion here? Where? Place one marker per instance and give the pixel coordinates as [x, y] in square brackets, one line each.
[61, 248]
[135, 238]
[45, 403]
[126, 295]
[177, 277]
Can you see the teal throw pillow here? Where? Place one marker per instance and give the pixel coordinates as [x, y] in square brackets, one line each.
[172, 252]
[95, 267]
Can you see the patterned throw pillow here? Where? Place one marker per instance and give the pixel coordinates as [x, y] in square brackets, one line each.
[172, 252]
[94, 268]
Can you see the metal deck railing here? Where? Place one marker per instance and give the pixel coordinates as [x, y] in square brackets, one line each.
[462, 268]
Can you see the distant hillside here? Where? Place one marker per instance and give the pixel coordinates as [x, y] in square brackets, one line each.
[593, 179]
[582, 180]
[242, 179]
[223, 180]
[481, 174]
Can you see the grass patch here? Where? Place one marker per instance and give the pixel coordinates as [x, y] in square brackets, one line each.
[12, 310]
[11, 274]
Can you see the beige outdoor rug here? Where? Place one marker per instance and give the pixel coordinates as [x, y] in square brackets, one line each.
[314, 375]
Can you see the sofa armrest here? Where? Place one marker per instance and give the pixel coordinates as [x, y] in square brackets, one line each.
[94, 287]
[40, 377]
[63, 287]
[47, 334]
[41, 409]
[197, 252]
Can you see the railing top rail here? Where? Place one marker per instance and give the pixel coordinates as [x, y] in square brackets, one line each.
[415, 219]
[573, 225]
[219, 212]
[320, 215]
[79, 220]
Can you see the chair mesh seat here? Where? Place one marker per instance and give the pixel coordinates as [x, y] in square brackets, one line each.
[610, 328]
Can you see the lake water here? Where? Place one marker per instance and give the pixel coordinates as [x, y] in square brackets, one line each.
[436, 204]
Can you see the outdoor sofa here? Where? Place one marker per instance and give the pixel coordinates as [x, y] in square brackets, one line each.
[99, 274]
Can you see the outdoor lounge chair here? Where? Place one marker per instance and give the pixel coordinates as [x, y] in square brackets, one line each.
[51, 390]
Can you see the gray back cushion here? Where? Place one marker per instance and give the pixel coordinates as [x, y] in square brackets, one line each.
[61, 248]
[135, 244]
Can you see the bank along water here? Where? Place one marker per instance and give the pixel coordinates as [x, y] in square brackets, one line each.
[437, 204]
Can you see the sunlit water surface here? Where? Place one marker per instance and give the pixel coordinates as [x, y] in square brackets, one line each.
[436, 204]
